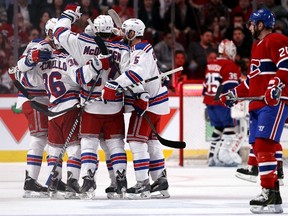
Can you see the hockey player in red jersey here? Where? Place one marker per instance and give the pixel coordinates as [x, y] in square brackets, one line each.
[267, 79]
[225, 143]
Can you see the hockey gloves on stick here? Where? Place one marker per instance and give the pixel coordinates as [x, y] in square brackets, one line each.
[229, 98]
[100, 62]
[35, 56]
[72, 12]
[165, 81]
[141, 104]
[110, 90]
[14, 73]
[273, 92]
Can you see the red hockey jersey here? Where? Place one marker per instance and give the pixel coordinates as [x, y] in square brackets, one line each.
[220, 71]
[269, 59]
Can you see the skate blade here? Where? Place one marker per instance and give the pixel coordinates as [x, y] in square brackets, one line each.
[71, 196]
[164, 194]
[34, 194]
[115, 196]
[221, 164]
[140, 196]
[249, 178]
[56, 195]
[87, 195]
[281, 182]
[276, 209]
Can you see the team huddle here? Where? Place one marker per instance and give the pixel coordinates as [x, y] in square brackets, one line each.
[66, 69]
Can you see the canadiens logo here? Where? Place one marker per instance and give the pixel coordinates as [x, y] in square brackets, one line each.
[254, 67]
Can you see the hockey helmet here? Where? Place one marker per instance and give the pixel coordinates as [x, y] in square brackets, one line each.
[135, 25]
[227, 48]
[103, 24]
[50, 25]
[264, 15]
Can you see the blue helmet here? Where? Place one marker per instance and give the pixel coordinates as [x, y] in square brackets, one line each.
[264, 15]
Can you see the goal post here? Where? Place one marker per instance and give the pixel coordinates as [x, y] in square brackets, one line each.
[192, 121]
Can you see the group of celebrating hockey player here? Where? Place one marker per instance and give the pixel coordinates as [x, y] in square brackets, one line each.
[266, 88]
[66, 69]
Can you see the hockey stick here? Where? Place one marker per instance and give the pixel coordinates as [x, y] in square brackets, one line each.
[104, 51]
[218, 92]
[51, 114]
[21, 88]
[220, 89]
[165, 142]
[113, 14]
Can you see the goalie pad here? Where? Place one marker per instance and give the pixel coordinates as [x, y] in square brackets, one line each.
[228, 152]
[240, 110]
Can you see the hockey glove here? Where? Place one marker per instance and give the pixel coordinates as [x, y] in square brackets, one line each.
[141, 104]
[14, 73]
[229, 98]
[165, 81]
[110, 90]
[99, 62]
[72, 12]
[273, 92]
[35, 56]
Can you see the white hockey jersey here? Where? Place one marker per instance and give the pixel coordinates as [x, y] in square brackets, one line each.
[55, 74]
[38, 92]
[83, 47]
[143, 65]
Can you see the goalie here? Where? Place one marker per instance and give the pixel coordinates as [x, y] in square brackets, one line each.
[224, 73]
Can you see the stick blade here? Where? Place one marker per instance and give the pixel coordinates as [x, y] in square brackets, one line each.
[171, 144]
[113, 14]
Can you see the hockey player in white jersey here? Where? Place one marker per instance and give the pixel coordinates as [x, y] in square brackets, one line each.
[37, 50]
[110, 119]
[151, 99]
[63, 93]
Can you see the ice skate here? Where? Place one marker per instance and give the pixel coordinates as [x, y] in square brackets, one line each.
[248, 174]
[33, 189]
[140, 191]
[159, 189]
[88, 187]
[280, 173]
[72, 188]
[111, 190]
[121, 183]
[269, 201]
[54, 192]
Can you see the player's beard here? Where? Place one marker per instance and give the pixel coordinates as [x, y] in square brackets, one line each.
[257, 32]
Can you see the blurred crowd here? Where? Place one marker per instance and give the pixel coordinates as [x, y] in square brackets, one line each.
[199, 27]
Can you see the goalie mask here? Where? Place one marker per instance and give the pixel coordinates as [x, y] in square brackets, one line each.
[103, 24]
[135, 25]
[227, 48]
[50, 25]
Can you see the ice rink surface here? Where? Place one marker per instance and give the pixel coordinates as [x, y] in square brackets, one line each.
[195, 189]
